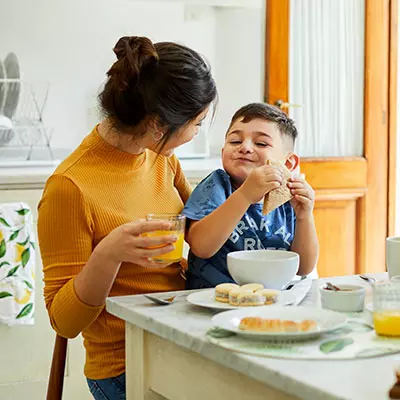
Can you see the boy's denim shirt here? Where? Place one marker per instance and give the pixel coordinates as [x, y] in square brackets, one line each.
[254, 230]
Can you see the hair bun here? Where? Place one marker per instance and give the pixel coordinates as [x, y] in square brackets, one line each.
[137, 47]
[134, 53]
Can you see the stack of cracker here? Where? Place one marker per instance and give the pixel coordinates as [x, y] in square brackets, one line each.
[281, 195]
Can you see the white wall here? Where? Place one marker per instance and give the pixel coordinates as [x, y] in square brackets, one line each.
[70, 45]
[239, 65]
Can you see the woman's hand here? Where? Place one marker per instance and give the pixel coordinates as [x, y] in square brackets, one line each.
[128, 244]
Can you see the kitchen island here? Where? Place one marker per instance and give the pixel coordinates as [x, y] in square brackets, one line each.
[168, 354]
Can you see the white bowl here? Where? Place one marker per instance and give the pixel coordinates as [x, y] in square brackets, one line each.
[273, 268]
[344, 300]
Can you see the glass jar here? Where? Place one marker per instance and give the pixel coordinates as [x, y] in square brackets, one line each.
[386, 312]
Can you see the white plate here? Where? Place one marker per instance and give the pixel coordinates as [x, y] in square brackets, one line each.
[206, 298]
[326, 320]
[11, 67]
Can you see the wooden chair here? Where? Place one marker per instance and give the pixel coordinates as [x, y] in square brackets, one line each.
[56, 378]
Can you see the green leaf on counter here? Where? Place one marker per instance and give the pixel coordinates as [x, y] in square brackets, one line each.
[24, 243]
[25, 311]
[25, 256]
[359, 327]
[4, 263]
[5, 294]
[219, 333]
[12, 271]
[3, 248]
[376, 351]
[5, 223]
[28, 284]
[23, 211]
[332, 346]
[14, 235]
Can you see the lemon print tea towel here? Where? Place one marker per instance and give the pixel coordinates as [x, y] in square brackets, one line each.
[17, 265]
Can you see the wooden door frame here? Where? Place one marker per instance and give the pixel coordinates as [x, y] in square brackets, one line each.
[380, 122]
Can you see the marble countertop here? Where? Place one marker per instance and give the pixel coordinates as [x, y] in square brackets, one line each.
[34, 174]
[186, 326]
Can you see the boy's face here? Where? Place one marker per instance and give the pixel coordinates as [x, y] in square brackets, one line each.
[249, 145]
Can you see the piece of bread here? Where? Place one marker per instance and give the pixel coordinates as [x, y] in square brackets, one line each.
[222, 291]
[234, 296]
[245, 298]
[271, 296]
[252, 286]
[281, 195]
[307, 325]
[258, 324]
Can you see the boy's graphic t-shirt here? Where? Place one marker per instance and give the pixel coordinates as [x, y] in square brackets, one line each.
[253, 232]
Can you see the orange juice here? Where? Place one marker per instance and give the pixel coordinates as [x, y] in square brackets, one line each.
[387, 323]
[174, 255]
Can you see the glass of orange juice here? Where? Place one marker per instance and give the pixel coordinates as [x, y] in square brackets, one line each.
[386, 315]
[177, 228]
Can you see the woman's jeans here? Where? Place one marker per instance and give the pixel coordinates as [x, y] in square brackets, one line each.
[109, 388]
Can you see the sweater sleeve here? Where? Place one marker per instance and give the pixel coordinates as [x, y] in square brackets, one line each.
[65, 232]
[180, 182]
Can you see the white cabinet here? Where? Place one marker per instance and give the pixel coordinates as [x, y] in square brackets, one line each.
[26, 351]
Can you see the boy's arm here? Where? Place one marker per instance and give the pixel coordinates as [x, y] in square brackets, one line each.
[208, 235]
[305, 243]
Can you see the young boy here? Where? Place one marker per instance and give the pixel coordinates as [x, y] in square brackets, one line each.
[224, 212]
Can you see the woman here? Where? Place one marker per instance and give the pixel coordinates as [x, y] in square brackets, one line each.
[90, 216]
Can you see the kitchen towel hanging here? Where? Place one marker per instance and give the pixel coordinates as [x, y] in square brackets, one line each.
[17, 265]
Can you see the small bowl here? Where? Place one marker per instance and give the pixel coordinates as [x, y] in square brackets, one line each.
[350, 299]
[273, 268]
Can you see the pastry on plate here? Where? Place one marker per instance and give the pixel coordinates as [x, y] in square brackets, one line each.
[258, 324]
[222, 291]
[245, 298]
[253, 287]
[271, 295]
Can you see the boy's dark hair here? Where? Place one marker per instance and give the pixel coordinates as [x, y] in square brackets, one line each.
[269, 113]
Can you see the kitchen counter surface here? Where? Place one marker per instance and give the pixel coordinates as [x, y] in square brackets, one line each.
[34, 174]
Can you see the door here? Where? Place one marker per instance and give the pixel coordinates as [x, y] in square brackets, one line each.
[354, 210]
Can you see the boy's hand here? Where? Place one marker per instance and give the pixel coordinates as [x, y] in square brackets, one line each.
[304, 196]
[260, 182]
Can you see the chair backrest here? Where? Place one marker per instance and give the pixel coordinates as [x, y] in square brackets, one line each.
[56, 378]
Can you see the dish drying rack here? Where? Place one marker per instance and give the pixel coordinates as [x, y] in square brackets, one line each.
[28, 130]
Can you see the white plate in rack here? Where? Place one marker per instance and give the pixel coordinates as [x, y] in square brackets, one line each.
[206, 298]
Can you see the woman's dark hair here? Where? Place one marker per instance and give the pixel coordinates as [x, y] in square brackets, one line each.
[167, 81]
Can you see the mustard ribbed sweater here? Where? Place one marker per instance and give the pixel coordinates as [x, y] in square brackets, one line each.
[96, 189]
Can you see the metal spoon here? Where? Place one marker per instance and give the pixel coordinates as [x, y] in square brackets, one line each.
[331, 286]
[159, 300]
[294, 282]
[367, 278]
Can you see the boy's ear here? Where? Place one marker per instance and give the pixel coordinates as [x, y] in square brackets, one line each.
[292, 161]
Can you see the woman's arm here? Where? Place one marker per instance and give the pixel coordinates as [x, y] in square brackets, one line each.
[78, 279]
